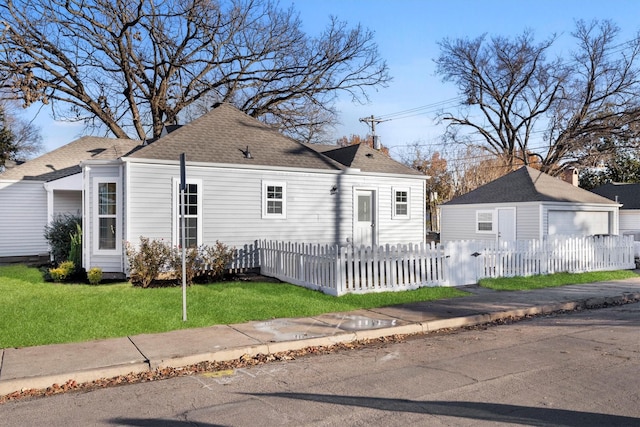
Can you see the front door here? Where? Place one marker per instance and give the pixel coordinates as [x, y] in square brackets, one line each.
[506, 225]
[364, 229]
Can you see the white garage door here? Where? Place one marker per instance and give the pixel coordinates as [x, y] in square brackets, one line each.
[578, 223]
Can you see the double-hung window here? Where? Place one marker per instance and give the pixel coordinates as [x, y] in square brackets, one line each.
[274, 199]
[107, 221]
[192, 214]
[484, 221]
[400, 203]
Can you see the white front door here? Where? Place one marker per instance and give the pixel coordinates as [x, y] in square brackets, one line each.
[506, 225]
[364, 228]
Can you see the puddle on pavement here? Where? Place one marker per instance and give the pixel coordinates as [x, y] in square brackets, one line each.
[361, 323]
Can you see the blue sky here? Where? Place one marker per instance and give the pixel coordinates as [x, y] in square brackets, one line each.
[407, 32]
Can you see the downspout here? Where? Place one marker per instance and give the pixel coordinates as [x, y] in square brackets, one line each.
[49, 191]
[86, 232]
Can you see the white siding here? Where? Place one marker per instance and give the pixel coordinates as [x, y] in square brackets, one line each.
[458, 221]
[232, 205]
[23, 216]
[67, 202]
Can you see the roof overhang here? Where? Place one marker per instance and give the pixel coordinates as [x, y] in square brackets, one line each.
[348, 171]
[71, 182]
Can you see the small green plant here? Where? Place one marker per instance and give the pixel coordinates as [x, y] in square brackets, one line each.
[58, 234]
[94, 275]
[147, 261]
[75, 252]
[62, 272]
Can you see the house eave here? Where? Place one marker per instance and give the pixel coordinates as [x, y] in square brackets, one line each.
[348, 171]
[531, 203]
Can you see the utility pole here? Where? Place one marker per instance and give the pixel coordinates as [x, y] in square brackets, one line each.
[372, 122]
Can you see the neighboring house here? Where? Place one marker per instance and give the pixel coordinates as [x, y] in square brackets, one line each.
[33, 192]
[246, 182]
[629, 196]
[527, 204]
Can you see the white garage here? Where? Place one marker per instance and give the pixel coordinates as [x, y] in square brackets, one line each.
[527, 204]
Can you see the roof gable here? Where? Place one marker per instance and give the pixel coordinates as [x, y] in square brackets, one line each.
[528, 185]
[225, 135]
[365, 158]
[65, 161]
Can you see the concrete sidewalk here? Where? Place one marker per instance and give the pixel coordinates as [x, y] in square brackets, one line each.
[42, 366]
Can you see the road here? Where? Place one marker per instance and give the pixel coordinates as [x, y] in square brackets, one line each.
[578, 369]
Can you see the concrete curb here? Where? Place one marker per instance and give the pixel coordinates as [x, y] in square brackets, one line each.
[45, 381]
[82, 376]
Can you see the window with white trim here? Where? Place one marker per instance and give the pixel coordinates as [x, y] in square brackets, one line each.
[401, 203]
[107, 215]
[274, 199]
[484, 221]
[192, 214]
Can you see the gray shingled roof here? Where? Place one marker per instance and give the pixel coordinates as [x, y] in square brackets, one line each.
[528, 185]
[65, 161]
[626, 193]
[224, 134]
[363, 157]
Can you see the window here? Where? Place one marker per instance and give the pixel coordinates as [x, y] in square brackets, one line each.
[107, 215]
[274, 200]
[400, 203]
[192, 214]
[484, 222]
[106, 223]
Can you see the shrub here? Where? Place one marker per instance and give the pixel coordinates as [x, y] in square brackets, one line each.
[75, 251]
[204, 264]
[193, 263]
[62, 272]
[94, 275]
[215, 260]
[58, 234]
[147, 261]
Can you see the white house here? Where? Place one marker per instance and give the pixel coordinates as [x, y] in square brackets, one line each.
[527, 204]
[246, 182]
[33, 192]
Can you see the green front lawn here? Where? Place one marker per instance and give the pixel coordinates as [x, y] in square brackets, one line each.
[553, 280]
[35, 312]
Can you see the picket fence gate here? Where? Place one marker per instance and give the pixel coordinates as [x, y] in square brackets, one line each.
[338, 270]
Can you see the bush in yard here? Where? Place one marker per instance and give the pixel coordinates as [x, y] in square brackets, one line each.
[205, 264]
[147, 261]
[94, 275]
[193, 263]
[58, 234]
[216, 259]
[64, 271]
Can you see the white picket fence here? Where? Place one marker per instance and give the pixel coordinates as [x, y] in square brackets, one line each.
[338, 270]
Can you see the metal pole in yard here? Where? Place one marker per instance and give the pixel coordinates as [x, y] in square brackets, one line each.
[183, 187]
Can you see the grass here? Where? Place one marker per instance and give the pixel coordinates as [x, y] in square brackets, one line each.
[553, 280]
[35, 312]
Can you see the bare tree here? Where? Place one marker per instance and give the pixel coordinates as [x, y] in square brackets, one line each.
[133, 66]
[439, 186]
[518, 103]
[365, 140]
[19, 138]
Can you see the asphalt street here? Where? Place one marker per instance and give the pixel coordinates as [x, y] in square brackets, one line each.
[577, 369]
